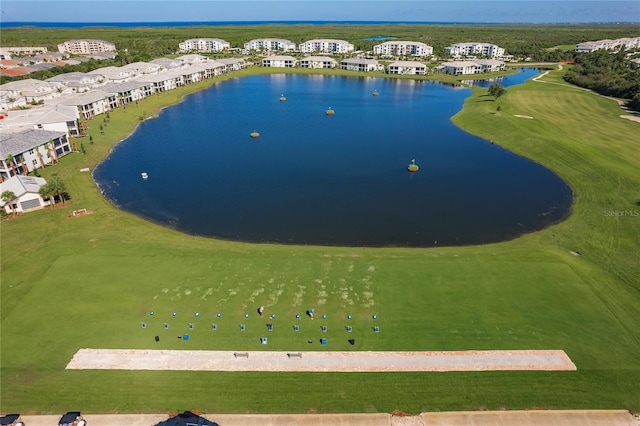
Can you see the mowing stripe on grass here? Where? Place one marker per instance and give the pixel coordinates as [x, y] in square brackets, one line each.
[130, 359]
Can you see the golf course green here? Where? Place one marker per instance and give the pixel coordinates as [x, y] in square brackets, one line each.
[90, 281]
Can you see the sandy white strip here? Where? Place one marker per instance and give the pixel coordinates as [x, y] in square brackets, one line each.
[125, 359]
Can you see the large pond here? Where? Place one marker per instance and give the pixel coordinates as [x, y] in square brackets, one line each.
[311, 178]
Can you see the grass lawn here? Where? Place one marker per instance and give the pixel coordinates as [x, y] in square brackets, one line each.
[91, 281]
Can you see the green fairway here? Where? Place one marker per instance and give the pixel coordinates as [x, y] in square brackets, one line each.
[91, 281]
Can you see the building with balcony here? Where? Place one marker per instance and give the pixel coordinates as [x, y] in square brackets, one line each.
[407, 68]
[325, 46]
[86, 47]
[30, 149]
[279, 61]
[475, 49]
[476, 66]
[318, 62]
[361, 64]
[403, 48]
[270, 44]
[204, 45]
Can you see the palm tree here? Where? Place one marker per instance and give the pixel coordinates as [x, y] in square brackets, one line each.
[8, 197]
[52, 152]
[46, 193]
[23, 165]
[40, 158]
[9, 160]
[58, 187]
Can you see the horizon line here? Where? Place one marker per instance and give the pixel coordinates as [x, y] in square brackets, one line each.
[328, 21]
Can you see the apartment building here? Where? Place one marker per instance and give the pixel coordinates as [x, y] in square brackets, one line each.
[477, 66]
[204, 45]
[86, 47]
[326, 46]
[592, 46]
[475, 49]
[407, 68]
[361, 64]
[403, 48]
[29, 150]
[318, 62]
[270, 44]
[279, 61]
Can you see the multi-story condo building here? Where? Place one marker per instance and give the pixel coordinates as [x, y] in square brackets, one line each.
[270, 44]
[361, 64]
[591, 46]
[318, 62]
[30, 149]
[407, 68]
[86, 47]
[204, 45]
[325, 46]
[477, 66]
[279, 61]
[475, 49]
[403, 48]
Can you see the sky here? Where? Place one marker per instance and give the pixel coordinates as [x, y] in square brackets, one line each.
[480, 11]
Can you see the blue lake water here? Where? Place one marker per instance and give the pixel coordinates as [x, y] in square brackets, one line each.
[331, 180]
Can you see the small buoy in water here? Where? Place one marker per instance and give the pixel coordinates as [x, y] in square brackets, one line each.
[413, 167]
[375, 93]
[254, 134]
[330, 111]
[282, 98]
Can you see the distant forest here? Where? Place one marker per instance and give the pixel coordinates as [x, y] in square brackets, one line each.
[608, 74]
[538, 42]
[601, 71]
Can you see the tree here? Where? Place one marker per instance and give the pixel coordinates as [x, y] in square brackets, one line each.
[57, 188]
[9, 160]
[46, 192]
[40, 160]
[8, 197]
[52, 152]
[496, 90]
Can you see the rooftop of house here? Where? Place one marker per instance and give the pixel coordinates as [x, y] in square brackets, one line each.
[407, 64]
[21, 185]
[17, 143]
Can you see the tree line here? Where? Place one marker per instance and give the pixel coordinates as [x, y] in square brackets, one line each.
[607, 73]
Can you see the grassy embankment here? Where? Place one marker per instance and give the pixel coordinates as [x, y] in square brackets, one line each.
[90, 281]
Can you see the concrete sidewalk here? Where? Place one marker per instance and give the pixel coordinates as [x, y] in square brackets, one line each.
[464, 418]
[360, 361]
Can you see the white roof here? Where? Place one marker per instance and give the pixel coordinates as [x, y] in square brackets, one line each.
[20, 185]
[407, 64]
[19, 120]
[280, 58]
[361, 61]
[84, 98]
[30, 84]
[457, 64]
[318, 59]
